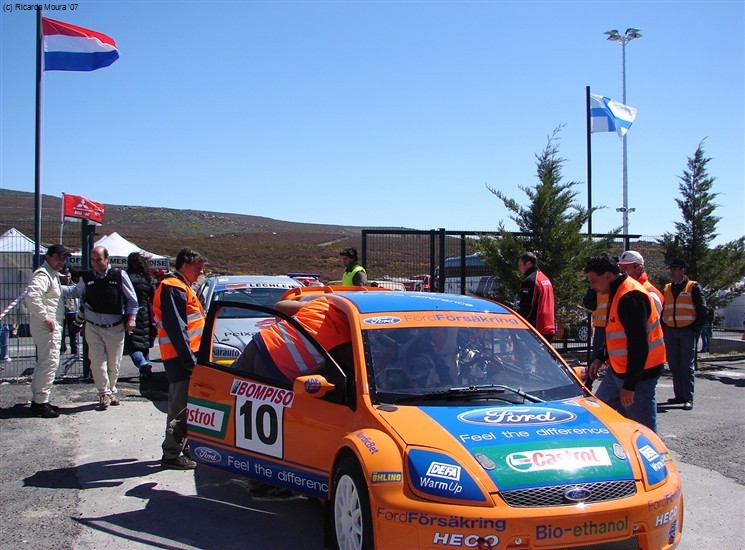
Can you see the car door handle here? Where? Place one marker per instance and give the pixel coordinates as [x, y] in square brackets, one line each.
[202, 390]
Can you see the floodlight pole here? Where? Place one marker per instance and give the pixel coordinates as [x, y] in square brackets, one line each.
[628, 36]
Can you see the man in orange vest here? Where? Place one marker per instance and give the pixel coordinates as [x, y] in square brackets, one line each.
[179, 319]
[632, 263]
[683, 316]
[281, 353]
[634, 345]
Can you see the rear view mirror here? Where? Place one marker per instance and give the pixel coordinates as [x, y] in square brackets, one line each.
[313, 385]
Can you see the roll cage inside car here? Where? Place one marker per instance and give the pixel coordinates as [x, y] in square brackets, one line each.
[329, 368]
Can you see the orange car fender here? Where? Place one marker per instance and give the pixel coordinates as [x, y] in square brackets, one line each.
[377, 453]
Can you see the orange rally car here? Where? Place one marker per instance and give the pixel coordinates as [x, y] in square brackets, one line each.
[450, 424]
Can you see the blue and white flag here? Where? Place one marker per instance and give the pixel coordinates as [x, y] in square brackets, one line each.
[607, 115]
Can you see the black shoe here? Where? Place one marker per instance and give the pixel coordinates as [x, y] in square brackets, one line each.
[43, 410]
[146, 372]
[186, 452]
[180, 463]
[688, 406]
[675, 401]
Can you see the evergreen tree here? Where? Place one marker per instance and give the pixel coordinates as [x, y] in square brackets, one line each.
[719, 270]
[551, 227]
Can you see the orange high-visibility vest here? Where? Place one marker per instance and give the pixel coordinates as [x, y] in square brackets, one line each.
[644, 280]
[680, 311]
[292, 354]
[600, 313]
[194, 318]
[615, 335]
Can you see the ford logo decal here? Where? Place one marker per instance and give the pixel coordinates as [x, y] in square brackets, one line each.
[516, 416]
[577, 494]
[382, 320]
[207, 455]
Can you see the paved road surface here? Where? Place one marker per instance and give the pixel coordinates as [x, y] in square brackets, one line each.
[92, 479]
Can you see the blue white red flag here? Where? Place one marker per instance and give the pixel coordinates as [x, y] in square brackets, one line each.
[71, 48]
[607, 115]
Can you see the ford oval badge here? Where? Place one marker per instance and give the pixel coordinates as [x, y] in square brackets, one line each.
[577, 494]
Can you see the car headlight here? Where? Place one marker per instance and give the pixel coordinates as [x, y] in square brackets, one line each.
[652, 461]
[433, 474]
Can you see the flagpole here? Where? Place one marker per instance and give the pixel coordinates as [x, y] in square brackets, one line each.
[589, 164]
[37, 174]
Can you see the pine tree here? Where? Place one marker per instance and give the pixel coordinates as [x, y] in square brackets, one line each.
[551, 227]
[719, 270]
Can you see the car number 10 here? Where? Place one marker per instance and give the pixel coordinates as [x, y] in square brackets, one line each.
[258, 426]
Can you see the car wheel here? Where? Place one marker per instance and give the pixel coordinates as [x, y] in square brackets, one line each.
[352, 521]
[583, 334]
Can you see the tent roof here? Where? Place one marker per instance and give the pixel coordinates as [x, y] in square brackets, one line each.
[15, 241]
[119, 248]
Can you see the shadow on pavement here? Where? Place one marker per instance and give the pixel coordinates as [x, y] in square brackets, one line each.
[222, 517]
[108, 473]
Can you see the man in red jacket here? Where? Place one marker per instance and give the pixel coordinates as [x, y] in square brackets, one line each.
[536, 296]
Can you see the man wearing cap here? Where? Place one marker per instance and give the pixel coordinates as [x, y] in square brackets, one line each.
[109, 306]
[632, 263]
[47, 314]
[683, 316]
[354, 274]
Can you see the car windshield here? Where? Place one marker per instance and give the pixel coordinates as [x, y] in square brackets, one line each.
[461, 363]
[257, 296]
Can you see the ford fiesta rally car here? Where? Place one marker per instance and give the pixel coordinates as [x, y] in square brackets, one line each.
[453, 424]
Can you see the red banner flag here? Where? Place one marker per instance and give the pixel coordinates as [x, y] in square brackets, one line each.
[75, 207]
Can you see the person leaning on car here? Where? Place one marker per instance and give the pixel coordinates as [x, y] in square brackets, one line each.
[279, 352]
[633, 343]
[179, 319]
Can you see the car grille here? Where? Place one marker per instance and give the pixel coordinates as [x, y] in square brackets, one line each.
[628, 544]
[554, 496]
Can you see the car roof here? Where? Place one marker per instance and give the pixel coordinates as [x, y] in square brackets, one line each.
[247, 281]
[382, 301]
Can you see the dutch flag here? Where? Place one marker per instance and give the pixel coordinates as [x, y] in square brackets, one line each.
[71, 48]
[607, 115]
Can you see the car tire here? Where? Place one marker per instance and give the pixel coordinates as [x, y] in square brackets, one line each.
[351, 508]
[583, 333]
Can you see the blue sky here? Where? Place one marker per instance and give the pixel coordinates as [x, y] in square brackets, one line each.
[380, 114]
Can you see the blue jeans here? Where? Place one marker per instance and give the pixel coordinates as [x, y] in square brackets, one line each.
[680, 346]
[4, 342]
[644, 408]
[140, 359]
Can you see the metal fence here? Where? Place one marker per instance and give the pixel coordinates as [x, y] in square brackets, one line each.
[17, 251]
[420, 256]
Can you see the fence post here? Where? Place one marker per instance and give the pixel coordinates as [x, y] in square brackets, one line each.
[442, 260]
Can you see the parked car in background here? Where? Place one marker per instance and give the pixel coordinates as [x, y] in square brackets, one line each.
[446, 422]
[236, 327]
[307, 279]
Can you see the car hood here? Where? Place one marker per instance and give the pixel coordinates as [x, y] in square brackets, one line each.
[521, 446]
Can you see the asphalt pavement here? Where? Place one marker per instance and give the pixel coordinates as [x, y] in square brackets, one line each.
[92, 479]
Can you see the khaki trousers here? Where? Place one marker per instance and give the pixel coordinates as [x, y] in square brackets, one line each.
[47, 352]
[105, 348]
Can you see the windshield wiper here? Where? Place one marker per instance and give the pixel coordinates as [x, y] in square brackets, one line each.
[479, 392]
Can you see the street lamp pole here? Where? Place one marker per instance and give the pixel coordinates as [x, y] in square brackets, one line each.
[624, 39]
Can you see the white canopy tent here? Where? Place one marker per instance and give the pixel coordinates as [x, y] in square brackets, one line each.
[119, 248]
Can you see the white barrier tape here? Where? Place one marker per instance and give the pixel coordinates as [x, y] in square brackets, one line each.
[13, 304]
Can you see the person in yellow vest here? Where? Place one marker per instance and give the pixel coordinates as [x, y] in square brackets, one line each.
[179, 320]
[598, 304]
[634, 344]
[354, 274]
[683, 316]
